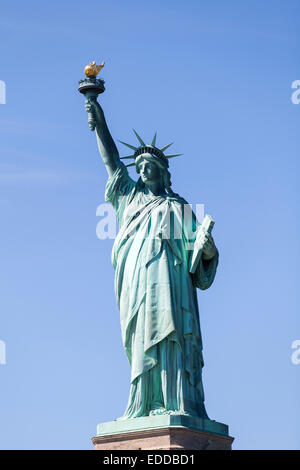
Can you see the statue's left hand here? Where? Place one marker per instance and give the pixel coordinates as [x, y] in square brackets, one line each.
[209, 248]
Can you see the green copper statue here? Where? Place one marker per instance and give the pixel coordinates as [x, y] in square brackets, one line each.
[154, 283]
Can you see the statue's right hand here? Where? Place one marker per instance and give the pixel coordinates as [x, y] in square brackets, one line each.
[93, 108]
[89, 105]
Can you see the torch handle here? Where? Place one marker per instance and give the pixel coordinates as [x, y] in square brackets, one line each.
[92, 96]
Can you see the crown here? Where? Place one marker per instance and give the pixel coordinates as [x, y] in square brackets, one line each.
[152, 149]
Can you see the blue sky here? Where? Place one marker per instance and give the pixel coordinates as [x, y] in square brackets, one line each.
[213, 76]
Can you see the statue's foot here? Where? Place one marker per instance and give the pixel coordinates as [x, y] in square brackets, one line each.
[158, 411]
[178, 413]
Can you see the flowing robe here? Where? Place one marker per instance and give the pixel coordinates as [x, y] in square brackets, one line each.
[156, 296]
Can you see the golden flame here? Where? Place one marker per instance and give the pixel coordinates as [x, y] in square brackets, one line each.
[92, 70]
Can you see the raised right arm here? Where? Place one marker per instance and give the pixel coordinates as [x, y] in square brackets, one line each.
[106, 144]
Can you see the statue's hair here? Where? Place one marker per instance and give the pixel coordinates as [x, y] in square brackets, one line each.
[166, 180]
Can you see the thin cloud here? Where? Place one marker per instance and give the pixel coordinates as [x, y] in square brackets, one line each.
[31, 127]
[11, 174]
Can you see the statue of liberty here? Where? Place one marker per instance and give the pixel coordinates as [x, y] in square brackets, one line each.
[154, 285]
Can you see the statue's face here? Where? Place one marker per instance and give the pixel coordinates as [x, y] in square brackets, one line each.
[149, 172]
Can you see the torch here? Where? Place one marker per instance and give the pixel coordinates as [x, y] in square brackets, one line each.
[91, 87]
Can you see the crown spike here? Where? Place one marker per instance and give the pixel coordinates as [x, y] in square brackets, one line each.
[139, 138]
[174, 155]
[129, 156]
[130, 164]
[154, 140]
[128, 145]
[166, 147]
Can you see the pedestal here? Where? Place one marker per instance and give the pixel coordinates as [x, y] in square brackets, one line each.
[165, 432]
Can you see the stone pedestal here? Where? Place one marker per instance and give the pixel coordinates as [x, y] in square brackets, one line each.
[166, 432]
